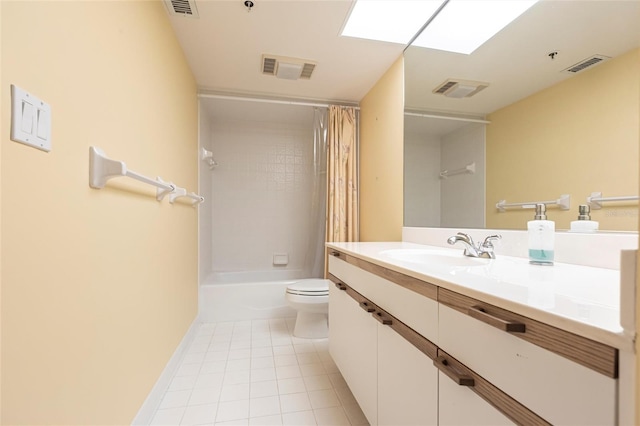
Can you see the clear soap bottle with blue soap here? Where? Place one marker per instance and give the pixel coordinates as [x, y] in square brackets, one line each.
[541, 237]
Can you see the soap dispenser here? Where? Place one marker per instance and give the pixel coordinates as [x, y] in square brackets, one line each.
[584, 222]
[541, 237]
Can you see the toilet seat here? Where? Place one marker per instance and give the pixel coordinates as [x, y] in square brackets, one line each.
[309, 287]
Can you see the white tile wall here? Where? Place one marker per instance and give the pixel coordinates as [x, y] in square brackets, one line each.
[261, 200]
[257, 373]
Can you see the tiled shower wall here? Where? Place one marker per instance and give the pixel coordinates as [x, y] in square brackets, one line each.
[261, 194]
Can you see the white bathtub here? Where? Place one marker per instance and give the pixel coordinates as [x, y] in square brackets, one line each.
[233, 296]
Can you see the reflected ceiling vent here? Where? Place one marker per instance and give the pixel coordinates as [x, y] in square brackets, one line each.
[454, 88]
[182, 8]
[287, 68]
[587, 63]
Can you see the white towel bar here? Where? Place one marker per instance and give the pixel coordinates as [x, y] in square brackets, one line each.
[596, 199]
[564, 202]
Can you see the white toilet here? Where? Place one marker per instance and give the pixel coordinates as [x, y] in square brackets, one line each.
[310, 297]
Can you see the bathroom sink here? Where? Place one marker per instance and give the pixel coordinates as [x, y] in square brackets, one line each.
[434, 257]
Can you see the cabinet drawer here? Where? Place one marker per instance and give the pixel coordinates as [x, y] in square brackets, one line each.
[558, 389]
[410, 300]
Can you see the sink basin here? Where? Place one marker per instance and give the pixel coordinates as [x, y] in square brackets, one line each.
[434, 257]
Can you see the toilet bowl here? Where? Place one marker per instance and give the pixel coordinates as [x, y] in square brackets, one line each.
[310, 298]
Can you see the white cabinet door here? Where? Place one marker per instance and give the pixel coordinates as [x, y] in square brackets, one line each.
[459, 405]
[407, 382]
[353, 346]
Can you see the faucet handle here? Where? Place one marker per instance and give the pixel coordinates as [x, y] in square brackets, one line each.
[487, 243]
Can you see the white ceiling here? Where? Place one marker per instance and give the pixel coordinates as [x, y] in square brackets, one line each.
[224, 47]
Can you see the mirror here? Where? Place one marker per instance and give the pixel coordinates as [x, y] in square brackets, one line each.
[537, 131]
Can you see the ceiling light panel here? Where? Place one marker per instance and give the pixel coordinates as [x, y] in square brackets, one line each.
[395, 21]
[464, 25]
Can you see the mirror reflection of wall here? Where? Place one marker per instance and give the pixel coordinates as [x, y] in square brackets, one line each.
[552, 132]
[444, 164]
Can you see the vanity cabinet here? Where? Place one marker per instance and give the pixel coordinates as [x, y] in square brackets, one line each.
[445, 358]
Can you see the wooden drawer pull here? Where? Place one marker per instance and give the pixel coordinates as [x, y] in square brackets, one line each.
[480, 314]
[341, 286]
[335, 253]
[367, 306]
[382, 318]
[442, 364]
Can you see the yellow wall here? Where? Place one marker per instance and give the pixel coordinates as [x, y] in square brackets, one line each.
[577, 137]
[381, 157]
[98, 286]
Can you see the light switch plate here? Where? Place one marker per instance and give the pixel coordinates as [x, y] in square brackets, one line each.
[30, 119]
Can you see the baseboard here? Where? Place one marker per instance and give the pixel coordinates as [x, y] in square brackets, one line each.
[148, 408]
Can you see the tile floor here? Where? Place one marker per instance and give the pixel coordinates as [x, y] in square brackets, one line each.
[256, 373]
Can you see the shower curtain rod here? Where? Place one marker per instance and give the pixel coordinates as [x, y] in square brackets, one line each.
[448, 117]
[269, 101]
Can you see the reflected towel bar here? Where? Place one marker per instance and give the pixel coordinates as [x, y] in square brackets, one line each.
[596, 198]
[181, 192]
[469, 168]
[564, 203]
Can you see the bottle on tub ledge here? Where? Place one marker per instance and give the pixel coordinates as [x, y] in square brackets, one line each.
[541, 237]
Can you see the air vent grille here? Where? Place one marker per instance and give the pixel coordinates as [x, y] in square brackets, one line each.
[269, 66]
[444, 87]
[284, 67]
[589, 62]
[182, 8]
[455, 88]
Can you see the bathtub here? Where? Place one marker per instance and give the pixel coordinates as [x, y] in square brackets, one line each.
[234, 296]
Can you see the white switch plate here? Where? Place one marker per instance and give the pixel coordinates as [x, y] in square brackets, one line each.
[30, 119]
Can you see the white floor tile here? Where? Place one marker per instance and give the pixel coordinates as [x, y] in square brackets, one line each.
[257, 373]
[199, 414]
[235, 392]
[175, 399]
[265, 406]
[295, 402]
[288, 372]
[323, 399]
[263, 374]
[266, 421]
[293, 385]
[262, 389]
[334, 416]
[232, 410]
[204, 396]
[300, 418]
[313, 383]
[169, 416]
[312, 370]
[264, 362]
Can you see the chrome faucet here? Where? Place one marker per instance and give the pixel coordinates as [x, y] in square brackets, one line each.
[484, 249]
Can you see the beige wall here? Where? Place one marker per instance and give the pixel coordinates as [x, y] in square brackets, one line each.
[381, 153]
[98, 286]
[577, 137]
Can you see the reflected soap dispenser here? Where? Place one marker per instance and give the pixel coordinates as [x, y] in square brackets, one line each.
[584, 222]
[541, 237]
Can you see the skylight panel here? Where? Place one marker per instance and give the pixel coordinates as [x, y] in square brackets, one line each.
[395, 21]
[464, 25]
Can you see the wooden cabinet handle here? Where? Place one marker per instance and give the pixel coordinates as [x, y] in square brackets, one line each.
[382, 318]
[442, 364]
[335, 253]
[367, 306]
[479, 313]
[341, 286]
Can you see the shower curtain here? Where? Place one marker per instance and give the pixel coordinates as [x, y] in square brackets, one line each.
[342, 168]
[314, 263]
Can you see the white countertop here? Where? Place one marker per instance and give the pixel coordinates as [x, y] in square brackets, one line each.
[580, 299]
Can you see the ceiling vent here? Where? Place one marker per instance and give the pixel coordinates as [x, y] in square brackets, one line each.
[454, 88]
[587, 63]
[182, 8]
[287, 68]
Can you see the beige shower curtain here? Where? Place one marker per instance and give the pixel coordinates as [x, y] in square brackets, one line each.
[342, 175]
